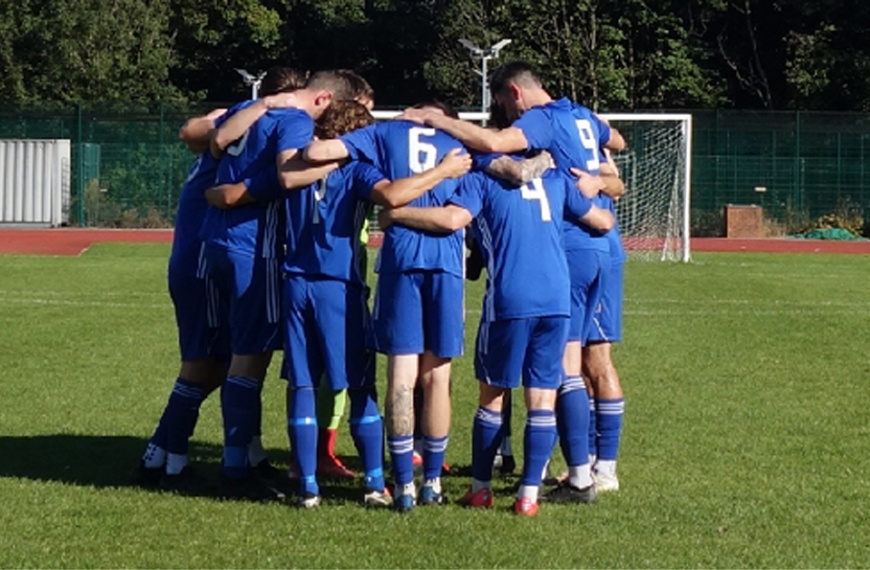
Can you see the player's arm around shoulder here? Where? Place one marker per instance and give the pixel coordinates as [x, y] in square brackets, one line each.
[295, 173]
[227, 196]
[444, 219]
[614, 186]
[319, 151]
[196, 132]
[579, 204]
[473, 136]
[238, 124]
[404, 190]
[520, 171]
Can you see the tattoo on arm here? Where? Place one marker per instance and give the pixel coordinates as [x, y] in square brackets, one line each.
[536, 166]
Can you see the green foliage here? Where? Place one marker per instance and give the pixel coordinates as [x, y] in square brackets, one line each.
[848, 215]
[78, 50]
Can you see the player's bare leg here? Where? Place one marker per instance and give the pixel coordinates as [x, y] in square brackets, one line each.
[402, 371]
[435, 381]
[606, 390]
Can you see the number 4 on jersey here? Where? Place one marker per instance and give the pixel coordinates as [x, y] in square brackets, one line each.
[534, 190]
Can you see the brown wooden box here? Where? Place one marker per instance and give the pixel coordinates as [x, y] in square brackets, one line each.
[744, 221]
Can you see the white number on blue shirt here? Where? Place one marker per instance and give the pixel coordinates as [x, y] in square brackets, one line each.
[590, 143]
[534, 190]
[238, 146]
[421, 155]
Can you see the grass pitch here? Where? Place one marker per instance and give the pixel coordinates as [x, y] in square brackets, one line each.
[745, 441]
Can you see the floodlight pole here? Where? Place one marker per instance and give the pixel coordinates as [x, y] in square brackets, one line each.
[253, 81]
[485, 55]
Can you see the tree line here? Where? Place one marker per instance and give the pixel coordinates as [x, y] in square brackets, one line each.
[609, 54]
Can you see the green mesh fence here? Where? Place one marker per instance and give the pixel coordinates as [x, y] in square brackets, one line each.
[798, 166]
[128, 165]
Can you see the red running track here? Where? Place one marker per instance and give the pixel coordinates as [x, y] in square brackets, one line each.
[75, 241]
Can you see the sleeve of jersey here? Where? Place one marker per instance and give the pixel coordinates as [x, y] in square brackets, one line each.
[361, 144]
[537, 129]
[576, 204]
[264, 187]
[470, 194]
[365, 176]
[294, 129]
[603, 131]
[481, 160]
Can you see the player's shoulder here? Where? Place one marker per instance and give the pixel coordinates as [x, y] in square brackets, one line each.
[289, 114]
[556, 179]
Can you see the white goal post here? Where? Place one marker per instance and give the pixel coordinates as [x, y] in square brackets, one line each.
[657, 170]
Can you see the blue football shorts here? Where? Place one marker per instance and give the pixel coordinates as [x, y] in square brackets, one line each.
[420, 310]
[201, 317]
[587, 268]
[326, 325]
[252, 286]
[528, 348]
[607, 319]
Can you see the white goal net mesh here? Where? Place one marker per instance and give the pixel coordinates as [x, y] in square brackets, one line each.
[653, 212]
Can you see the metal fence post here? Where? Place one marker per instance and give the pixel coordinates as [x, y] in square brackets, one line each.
[80, 150]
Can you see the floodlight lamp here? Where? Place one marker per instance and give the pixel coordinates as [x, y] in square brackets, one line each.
[471, 47]
[499, 45]
[246, 77]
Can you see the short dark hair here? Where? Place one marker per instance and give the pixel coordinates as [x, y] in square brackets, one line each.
[281, 80]
[334, 81]
[360, 87]
[497, 116]
[445, 108]
[518, 72]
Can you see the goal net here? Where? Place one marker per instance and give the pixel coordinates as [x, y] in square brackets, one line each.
[653, 213]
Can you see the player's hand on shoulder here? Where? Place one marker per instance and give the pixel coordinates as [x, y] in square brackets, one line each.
[385, 218]
[456, 163]
[414, 115]
[588, 184]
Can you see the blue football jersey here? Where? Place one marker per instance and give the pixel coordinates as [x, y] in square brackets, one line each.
[400, 149]
[617, 250]
[257, 228]
[192, 208]
[324, 222]
[520, 233]
[573, 135]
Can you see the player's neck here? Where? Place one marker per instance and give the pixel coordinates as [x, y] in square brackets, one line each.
[537, 97]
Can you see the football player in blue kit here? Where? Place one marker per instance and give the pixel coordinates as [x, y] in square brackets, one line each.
[243, 250]
[418, 312]
[202, 328]
[325, 299]
[572, 134]
[606, 397]
[523, 329]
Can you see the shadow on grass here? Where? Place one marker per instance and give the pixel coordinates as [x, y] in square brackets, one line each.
[107, 462]
[98, 461]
